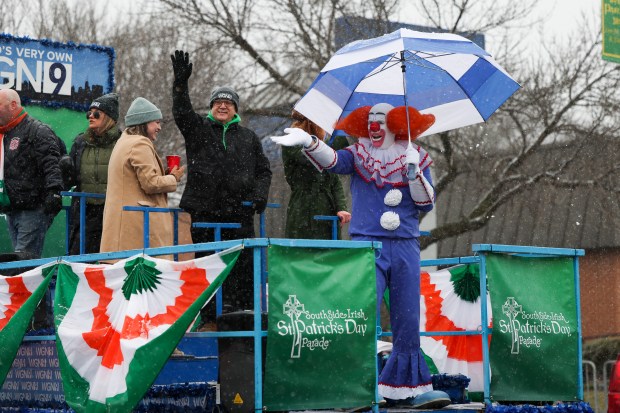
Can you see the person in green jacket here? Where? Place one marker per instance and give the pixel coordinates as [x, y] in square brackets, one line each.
[312, 192]
[86, 169]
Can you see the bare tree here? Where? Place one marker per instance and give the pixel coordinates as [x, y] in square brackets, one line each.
[569, 94]
[273, 43]
[15, 21]
[567, 97]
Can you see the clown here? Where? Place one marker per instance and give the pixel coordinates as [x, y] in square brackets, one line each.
[390, 185]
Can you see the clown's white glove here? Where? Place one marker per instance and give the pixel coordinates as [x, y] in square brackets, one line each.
[293, 137]
[413, 162]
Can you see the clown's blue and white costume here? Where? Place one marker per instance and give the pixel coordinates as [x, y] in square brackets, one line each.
[386, 207]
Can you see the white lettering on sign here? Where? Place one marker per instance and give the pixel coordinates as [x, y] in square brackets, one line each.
[49, 77]
[316, 330]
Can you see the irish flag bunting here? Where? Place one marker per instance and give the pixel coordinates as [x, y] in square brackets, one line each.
[19, 296]
[118, 324]
[450, 301]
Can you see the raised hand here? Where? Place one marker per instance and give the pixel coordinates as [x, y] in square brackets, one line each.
[181, 66]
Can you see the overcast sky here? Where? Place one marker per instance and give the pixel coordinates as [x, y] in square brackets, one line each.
[559, 17]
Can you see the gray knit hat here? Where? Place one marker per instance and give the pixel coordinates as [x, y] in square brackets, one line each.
[141, 111]
[226, 93]
[108, 104]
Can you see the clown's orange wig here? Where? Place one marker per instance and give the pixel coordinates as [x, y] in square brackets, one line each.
[356, 124]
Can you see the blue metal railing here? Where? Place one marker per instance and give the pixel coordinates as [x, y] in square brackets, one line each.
[481, 249]
[334, 220]
[146, 211]
[217, 235]
[259, 244]
[82, 208]
[255, 243]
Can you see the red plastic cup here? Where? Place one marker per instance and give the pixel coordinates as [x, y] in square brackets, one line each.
[173, 160]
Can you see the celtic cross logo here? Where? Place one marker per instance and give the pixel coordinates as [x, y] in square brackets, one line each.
[511, 309]
[293, 309]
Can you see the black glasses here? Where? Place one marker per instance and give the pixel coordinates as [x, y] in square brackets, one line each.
[227, 103]
[93, 113]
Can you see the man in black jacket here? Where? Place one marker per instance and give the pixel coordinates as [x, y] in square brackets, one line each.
[226, 166]
[32, 179]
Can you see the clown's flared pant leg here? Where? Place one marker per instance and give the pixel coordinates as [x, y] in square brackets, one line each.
[405, 374]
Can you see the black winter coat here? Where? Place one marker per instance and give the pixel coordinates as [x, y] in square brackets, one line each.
[31, 155]
[223, 169]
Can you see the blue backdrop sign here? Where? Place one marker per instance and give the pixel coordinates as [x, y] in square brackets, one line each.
[34, 381]
[55, 74]
[34, 378]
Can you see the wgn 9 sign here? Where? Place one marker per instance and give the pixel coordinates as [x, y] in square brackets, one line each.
[58, 80]
[52, 73]
[52, 78]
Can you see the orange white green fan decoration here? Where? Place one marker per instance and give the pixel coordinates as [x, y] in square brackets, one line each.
[118, 324]
[450, 301]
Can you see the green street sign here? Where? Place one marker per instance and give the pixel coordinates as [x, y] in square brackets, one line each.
[611, 30]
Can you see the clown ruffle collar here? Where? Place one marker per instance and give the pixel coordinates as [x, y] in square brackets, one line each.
[385, 166]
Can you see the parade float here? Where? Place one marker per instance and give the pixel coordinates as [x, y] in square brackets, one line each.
[502, 324]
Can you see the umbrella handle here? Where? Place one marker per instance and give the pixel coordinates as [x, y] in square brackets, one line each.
[412, 169]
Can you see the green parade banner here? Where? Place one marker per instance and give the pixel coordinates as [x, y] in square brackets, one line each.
[321, 341]
[534, 347]
[610, 16]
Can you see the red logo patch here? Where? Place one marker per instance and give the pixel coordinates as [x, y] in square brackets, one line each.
[14, 144]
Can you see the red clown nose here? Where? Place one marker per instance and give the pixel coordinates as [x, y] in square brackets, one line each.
[374, 127]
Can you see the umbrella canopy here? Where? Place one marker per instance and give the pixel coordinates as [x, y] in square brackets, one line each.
[440, 73]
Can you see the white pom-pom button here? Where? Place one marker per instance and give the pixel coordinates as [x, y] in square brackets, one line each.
[393, 197]
[390, 220]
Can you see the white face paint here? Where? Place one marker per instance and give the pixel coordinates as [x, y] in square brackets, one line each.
[379, 134]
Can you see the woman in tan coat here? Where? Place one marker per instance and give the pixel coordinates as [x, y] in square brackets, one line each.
[136, 177]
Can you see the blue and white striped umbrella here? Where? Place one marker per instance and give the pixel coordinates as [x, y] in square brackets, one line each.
[444, 74]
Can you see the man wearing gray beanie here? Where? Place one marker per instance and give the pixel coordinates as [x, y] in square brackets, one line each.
[224, 93]
[226, 166]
